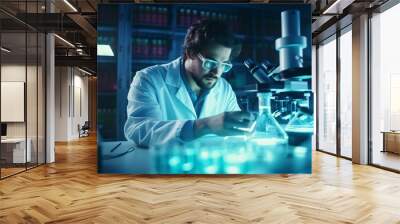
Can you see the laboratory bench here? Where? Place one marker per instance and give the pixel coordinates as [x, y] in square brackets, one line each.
[207, 155]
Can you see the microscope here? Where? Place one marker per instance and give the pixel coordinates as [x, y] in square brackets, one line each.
[286, 87]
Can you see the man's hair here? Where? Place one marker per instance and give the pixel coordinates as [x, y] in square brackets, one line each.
[202, 34]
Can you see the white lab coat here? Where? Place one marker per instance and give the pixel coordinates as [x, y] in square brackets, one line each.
[159, 104]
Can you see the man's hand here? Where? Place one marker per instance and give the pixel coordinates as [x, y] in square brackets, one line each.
[227, 123]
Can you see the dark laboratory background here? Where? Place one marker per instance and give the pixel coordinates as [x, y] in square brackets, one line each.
[142, 35]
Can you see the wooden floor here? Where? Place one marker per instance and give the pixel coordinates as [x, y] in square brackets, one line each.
[386, 159]
[10, 171]
[70, 191]
[5, 172]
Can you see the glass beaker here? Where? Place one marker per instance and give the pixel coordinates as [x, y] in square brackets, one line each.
[301, 123]
[303, 120]
[268, 131]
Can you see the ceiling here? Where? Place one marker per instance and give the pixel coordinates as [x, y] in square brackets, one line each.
[77, 22]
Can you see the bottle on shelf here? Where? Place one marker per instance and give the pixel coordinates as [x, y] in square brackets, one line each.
[219, 16]
[157, 48]
[159, 17]
[166, 17]
[153, 48]
[188, 20]
[162, 44]
[153, 16]
[224, 17]
[202, 15]
[165, 49]
[213, 15]
[195, 17]
[135, 15]
[161, 48]
[181, 17]
[147, 15]
[146, 48]
[139, 48]
[140, 15]
[207, 15]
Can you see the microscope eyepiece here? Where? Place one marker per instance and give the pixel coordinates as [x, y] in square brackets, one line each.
[258, 73]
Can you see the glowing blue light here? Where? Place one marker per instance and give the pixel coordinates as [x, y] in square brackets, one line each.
[287, 117]
[300, 129]
[237, 138]
[189, 152]
[300, 151]
[232, 170]
[235, 158]
[174, 161]
[268, 141]
[249, 129]
[268, 157]
[302, 118]
[104, 50]
[211, 169]
[242, 150]
[204, 154]
[215, 154]
[187, 166]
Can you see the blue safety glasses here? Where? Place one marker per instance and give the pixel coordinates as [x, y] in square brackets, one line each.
[210, 64]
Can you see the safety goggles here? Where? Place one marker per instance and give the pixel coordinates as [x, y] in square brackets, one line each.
[210, 64]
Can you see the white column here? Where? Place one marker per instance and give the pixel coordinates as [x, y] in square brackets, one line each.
[360, 90]
[50, 93]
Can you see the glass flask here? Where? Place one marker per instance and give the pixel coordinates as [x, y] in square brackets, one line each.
[301, 123]
[268, 131]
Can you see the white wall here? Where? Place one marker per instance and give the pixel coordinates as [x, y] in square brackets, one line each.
[13, 72]
[16, 73]
[79, 102]
[61, 103]
[33, 127]
[70, 83]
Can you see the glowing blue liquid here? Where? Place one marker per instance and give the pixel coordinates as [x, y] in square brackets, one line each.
[234, 155]
[269, 141]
